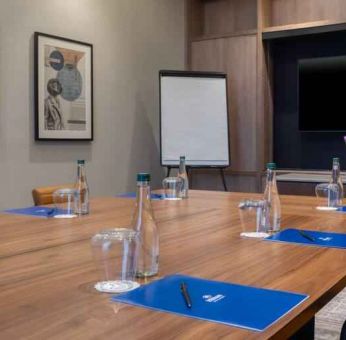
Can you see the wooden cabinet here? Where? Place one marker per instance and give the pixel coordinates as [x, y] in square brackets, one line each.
[222, 36]
[235, 56]
[212, 18]
[240, 56]
[226, 36]
[303, 12]
[208, 55]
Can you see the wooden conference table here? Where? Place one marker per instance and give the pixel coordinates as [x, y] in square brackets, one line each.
[47, 272]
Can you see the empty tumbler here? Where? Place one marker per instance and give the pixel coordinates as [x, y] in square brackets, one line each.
[114, 254]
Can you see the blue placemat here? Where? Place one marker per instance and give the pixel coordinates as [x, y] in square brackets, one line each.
[133, 195]
[37, 211]
[230, 304]
[314, 238]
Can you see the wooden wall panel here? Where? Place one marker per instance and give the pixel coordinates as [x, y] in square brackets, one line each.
[264, 122]
[194, 18]
[208, 55]
[213, 181]
[214, 22]
[285, 12]
[241, 69]
[237, 57]
[247, 62]
[263, 13]
[222, 16]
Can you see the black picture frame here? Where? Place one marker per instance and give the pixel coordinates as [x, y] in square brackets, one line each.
[63, 83]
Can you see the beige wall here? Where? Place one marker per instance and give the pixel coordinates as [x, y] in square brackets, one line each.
[132, 40]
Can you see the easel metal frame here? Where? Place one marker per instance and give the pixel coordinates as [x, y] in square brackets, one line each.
[190, 168]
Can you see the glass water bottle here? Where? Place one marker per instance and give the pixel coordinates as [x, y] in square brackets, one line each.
[147, 250]
[82, 206]
[336, 179]
[272, 215]
[183, 175]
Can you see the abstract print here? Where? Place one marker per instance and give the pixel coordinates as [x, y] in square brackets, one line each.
[64, 73]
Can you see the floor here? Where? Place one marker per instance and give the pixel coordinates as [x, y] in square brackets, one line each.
[329, 320]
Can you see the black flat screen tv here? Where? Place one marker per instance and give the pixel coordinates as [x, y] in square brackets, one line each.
[322, 94]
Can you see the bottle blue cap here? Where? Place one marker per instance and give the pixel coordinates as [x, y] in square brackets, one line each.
[81, 161]
[143, 177]
[271, 166]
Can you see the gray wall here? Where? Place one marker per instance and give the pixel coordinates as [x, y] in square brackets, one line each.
[132, 40]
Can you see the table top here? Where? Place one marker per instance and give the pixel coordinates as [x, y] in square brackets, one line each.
[47, 271]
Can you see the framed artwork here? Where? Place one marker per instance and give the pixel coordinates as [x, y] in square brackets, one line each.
[63, 89]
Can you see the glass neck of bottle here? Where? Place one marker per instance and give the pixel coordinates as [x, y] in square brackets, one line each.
[143, 193]
[335, 172]
[271, 176]
[182, 167]
[81, 172]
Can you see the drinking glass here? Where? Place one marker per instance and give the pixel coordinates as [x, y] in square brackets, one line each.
[114, 252]
[328, 194]
[252, 218]
[65, 201]
[173, 187]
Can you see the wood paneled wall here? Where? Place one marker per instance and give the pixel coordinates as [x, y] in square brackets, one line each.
[285, 12]
[237, 57]
[208, 55]
[240, 54]
[229, 16]
[226, 36]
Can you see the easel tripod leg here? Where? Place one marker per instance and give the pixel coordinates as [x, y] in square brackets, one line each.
[223, 179]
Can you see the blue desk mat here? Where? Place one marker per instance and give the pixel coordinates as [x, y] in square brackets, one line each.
[37, 211]
[226, 303]
[320, 238]
[154, 197]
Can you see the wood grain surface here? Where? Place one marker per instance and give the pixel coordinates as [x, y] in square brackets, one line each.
[47, 271]
[285, 12]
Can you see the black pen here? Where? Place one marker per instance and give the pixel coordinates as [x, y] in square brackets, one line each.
[307, 236]
[186, 296]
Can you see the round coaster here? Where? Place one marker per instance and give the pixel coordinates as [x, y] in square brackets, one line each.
[116, 286]
[327, 208]
[254, 234]
[65, 216]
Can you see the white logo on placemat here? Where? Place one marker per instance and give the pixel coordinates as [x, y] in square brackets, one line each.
[216, 298]
[326, 239]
